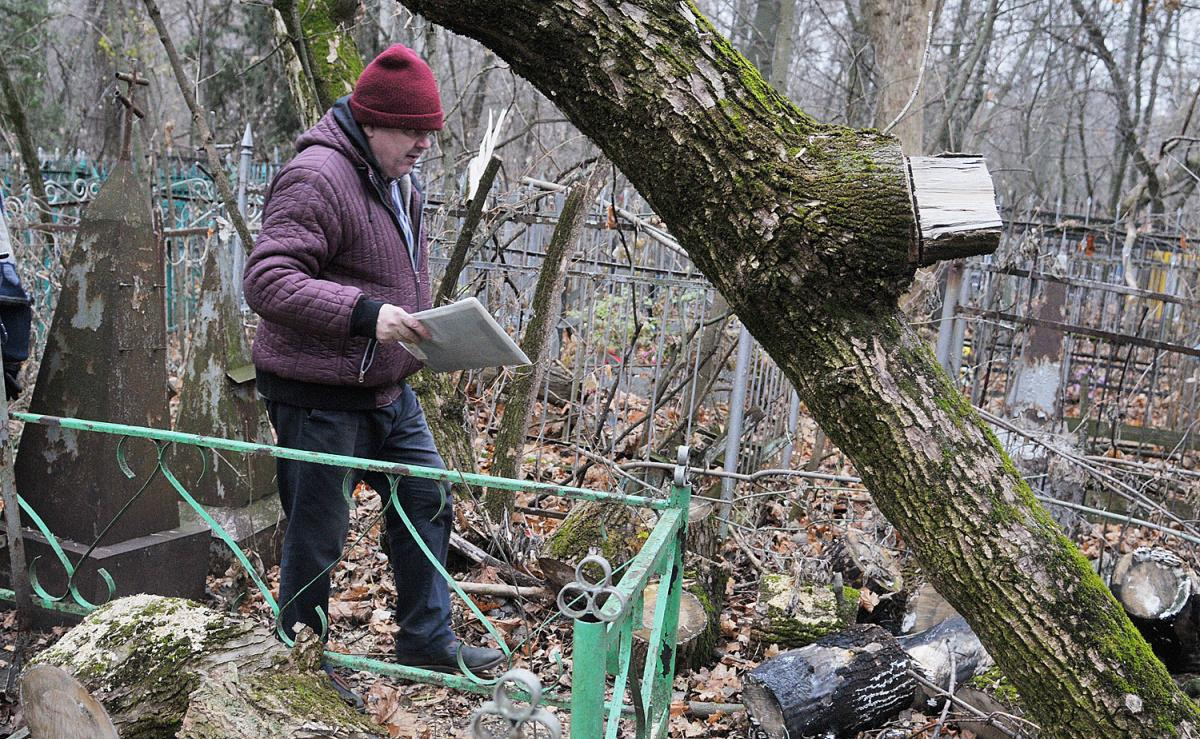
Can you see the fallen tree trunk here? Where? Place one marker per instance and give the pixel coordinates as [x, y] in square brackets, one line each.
[165, 665]
[1158, 591]
[949, 654]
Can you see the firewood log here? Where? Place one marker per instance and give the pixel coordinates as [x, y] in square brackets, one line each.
[1158, 591]
[859, 679]
[841, 684]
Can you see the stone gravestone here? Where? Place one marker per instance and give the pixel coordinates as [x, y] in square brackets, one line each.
[105, 360]
[218, 399]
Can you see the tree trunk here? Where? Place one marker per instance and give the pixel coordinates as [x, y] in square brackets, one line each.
[462, 245]
[806, 228]
[1158, 592]
[164, 665]
[897, 32]
[15, 112]
[320, 55]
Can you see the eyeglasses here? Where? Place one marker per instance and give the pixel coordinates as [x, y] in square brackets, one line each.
[420, 133]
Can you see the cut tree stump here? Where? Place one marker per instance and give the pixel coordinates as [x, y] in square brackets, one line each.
[705, 574]
[693, 643]
[167, 667]
[1158, 591]
[841, 684]
[56, 705]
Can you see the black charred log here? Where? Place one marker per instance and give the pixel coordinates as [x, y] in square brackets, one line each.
[842, 683]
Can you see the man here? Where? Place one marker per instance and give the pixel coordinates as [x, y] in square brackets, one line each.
[339, 266]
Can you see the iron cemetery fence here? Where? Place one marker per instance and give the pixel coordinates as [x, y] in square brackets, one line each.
[1092, 329]
[604, 615]
[634, 320]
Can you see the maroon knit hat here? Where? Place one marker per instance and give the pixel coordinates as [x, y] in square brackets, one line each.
[397, 90]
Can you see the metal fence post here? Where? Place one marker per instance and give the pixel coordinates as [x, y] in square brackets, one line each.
[237, 250]
[733, 437]
[792, 424]
[588, 679]
[946, 326]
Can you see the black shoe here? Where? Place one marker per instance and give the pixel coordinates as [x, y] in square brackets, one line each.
[477, 659]
[348, 696]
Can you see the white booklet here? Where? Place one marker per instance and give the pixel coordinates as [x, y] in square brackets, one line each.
[463, 336]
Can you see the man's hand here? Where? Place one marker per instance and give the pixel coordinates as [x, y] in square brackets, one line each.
[397, 324]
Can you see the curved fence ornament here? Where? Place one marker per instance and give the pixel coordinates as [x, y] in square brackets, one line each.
[393, 500]
[515, 719]
[594, 594]
[71, 569]
[682, 455]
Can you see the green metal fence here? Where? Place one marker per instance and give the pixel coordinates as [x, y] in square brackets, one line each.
[609, 683]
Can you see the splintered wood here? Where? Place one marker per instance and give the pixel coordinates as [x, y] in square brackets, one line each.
[956, 208]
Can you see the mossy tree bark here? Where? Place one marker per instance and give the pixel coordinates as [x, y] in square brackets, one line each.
[805, 229]
[322, 59]
[171, 667]
[323, 64]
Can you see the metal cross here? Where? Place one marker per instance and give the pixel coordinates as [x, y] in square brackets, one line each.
[132, 81]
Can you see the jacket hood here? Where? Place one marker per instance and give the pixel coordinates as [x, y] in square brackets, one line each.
[338, 130]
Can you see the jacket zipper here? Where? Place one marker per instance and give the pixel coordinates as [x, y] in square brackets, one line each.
[369, 355]
[367, 360]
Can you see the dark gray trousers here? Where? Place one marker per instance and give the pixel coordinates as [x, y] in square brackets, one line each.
[318, 516]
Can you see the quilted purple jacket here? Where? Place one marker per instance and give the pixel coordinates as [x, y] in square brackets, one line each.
[328, 240]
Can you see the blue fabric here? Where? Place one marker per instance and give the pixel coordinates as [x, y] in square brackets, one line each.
[16, 319]
[318, 517]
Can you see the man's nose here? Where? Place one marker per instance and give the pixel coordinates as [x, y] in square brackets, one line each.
[424, 141]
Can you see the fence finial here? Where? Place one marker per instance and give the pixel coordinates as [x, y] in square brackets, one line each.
[594, 593]
[517, 717]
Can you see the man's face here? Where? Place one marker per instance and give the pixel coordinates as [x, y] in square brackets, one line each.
[397, 149]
